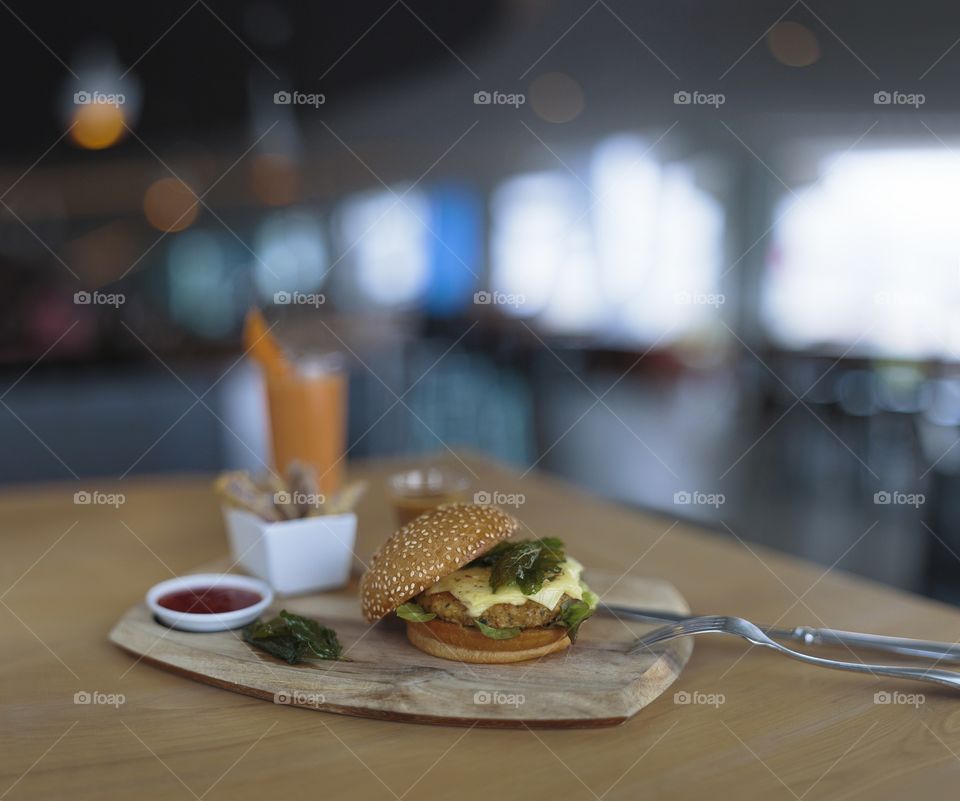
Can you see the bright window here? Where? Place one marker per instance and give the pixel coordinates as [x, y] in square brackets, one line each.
[870, 254]
[384, 243]
[660, 238]
[542, 254]
[291, 253]
[633, 255]
[204, 293]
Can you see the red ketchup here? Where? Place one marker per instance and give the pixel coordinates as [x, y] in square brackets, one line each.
[209, 600]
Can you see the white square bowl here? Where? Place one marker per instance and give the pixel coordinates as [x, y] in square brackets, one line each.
[294, 556]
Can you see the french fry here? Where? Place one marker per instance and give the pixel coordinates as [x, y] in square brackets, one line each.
[346, 499]
[238, 489]
[302, 483]
[275, 499]
[279, 494]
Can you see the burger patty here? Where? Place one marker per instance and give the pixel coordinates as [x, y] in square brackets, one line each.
[501, 616]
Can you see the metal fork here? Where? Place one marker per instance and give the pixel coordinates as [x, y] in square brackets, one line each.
[746, 629]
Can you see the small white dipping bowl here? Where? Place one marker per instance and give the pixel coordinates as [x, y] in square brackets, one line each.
[190, 621]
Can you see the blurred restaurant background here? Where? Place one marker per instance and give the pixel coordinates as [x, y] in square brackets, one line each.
[698, 258]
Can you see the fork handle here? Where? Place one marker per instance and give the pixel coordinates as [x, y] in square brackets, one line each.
[934, 675]
[877, 642]
[808, 635]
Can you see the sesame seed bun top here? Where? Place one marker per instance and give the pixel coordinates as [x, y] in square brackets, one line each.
[427, 549]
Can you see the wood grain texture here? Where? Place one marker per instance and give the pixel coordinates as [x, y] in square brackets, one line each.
[783, 730]
[594, 683]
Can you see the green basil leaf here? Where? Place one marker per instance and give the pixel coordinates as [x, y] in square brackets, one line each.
[414, 613]
[293, 638]
[526, 563]
[491, 556]
[261, 630]
[283, 648]
[552, 544]
[514, 565]
[575, 612]
[495, 633]
[316, 641]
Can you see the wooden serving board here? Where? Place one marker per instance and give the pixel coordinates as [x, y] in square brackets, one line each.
[593, 683]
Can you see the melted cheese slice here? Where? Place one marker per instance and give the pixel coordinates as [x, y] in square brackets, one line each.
[471, 586]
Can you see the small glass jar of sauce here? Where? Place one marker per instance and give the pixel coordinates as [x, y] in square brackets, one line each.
[414, 492]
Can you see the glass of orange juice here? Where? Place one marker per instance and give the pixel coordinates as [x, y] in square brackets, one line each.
[414, 492]
[308, 417]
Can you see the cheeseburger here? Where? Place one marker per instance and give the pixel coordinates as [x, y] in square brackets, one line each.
[469, 593]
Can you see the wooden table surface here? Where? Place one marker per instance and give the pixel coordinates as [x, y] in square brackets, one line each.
[778, 729]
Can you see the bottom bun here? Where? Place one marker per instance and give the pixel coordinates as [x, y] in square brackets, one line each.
[465, 644]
